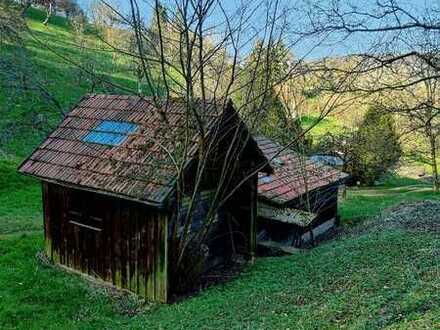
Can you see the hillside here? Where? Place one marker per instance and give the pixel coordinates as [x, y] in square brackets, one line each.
[379, 272]
[27, 116]
[50, 66]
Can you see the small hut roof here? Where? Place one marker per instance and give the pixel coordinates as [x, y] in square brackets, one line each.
[294, 174]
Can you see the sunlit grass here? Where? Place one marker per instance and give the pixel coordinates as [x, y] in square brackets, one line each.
[53, 57]
[364, 202]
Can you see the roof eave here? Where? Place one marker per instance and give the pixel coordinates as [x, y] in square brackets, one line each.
[159, 205]
[282, 203]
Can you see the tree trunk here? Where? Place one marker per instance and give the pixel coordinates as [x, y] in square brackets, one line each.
[139, 81]
[49, 14]
[435, 175]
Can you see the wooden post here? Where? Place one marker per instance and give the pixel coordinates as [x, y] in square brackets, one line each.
[253, 217]
[46, 216]
[162, 269]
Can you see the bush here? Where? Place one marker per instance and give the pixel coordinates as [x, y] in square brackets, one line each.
[369, 152]
[375, 147]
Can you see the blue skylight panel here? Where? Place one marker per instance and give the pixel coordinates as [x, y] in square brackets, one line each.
[116, 127]
[265, 179]
[110, 132]
[105, 138]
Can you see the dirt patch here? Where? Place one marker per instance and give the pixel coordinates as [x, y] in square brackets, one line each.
[421, 216]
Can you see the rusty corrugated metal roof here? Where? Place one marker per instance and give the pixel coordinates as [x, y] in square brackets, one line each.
[139, 168]
[294, 174]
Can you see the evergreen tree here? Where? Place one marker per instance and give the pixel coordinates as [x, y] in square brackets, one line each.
[265, 68]
[376, 148]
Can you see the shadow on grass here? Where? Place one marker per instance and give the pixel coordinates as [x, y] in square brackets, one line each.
[365, 202]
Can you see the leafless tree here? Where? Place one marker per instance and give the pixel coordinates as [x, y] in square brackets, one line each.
[419, 108]
[395, 45]
[379, 33]
[200, 53]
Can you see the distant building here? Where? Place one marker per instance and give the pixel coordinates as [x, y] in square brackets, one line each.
[109, 188]
[329, 160]
[299, 201]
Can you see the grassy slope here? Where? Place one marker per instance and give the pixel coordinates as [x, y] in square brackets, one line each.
[48, 48]
[371, 281]
[390, 279]
[20, 197]
[320, 128]
[364, 202]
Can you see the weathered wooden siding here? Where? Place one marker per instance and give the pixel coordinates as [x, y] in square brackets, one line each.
[119, 241]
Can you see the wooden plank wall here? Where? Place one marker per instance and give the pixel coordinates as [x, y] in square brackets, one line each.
[121, 242]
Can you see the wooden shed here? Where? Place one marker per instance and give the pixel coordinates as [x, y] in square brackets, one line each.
[299, 200]
[109, 187]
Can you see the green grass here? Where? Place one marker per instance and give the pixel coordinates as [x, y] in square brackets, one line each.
[320, 127]
[51, 61]
[366, 282]
[364, 202]
[20, 201]
[376, 280]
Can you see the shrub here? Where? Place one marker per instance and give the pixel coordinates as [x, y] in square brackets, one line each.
[369, 152]
[375, 147]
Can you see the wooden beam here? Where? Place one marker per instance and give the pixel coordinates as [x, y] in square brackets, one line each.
[279, 246]
[286, 215]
